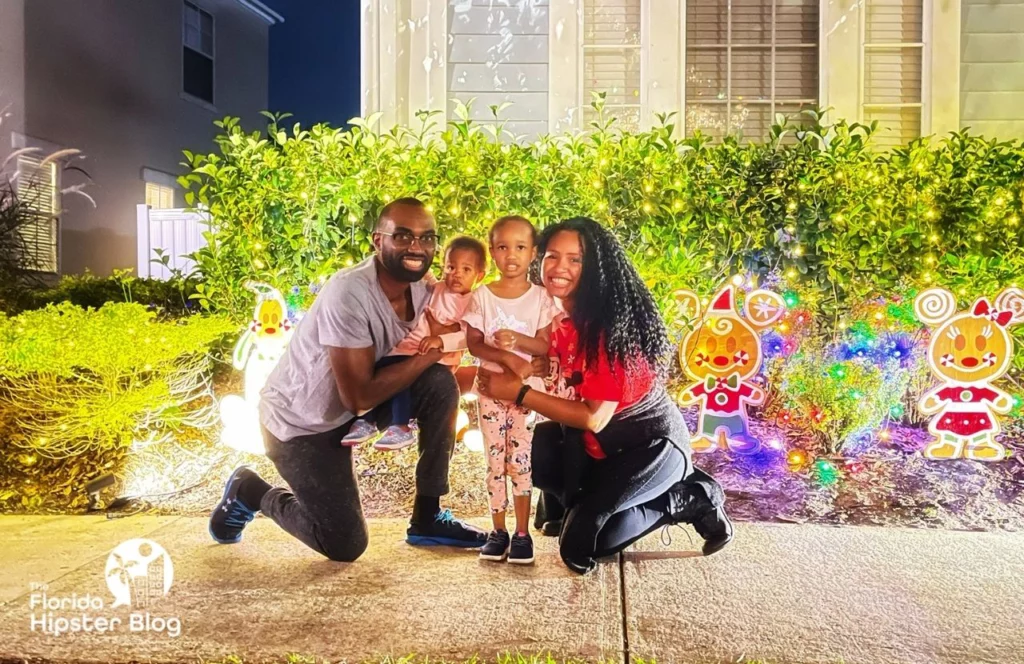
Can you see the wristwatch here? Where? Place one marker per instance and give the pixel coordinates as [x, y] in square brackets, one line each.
[522, 394]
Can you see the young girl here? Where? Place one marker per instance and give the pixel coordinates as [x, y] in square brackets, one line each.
[508, 322]
[465, 261]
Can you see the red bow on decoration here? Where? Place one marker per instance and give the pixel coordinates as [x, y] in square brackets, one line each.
[984, 310]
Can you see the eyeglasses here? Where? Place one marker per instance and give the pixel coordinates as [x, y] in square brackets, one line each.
[404, 239]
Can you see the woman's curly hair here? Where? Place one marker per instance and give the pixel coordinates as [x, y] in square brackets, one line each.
[612, 304]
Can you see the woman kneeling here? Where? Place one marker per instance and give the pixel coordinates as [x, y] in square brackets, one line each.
[614, 460]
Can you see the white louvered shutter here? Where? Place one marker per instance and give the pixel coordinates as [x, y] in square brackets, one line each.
[498, 52]
[893, 61]
[39, 192]
[611, 59]
[747, 60]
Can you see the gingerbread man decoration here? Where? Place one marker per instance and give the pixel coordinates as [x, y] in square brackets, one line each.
[968, 352]
[722, 354]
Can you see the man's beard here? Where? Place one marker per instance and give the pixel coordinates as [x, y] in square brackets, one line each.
[392, 262]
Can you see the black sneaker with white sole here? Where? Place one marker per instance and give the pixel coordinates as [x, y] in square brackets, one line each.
[445, 530]
[496, 548]
[521, 550]
[230, 517]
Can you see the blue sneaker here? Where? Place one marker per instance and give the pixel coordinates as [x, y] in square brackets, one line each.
[396, 438]
[445, 530]
[360, 432]
[230, 517]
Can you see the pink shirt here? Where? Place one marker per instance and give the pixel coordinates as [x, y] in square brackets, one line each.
[447, 308]
[527, 314]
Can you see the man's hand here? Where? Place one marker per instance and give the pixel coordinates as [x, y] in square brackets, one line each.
[506, 339]
[431, 343]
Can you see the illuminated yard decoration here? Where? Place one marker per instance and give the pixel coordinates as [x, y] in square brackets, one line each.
[256, 353]
[723, 353]
[969, 351]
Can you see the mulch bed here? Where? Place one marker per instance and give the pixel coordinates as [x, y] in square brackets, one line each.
[886, 484]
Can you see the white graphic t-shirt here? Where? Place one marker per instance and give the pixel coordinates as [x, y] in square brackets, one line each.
[527, 314]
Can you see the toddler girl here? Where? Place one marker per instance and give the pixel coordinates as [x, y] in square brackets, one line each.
[439, 327]
[507, 323]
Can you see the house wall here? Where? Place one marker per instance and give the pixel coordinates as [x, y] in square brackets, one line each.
[983, 40]
[992, 68]
[105, 77]
[12, 72]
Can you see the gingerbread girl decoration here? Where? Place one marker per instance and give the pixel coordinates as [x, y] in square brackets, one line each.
[968, 352]
[722, 354]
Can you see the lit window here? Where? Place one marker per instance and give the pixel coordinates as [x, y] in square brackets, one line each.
[746, 61]
[893, 54]
[159, 197]
[197, 55]
[38, 190]
[611, 59]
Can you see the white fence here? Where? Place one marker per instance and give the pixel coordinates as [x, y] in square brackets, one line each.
[177, 232]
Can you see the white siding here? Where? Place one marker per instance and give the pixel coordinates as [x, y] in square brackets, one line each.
[498, 52]
[992, 68]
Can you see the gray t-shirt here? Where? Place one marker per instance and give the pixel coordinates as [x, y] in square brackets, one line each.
[301, 396]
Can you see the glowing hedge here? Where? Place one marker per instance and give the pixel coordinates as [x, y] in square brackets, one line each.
[74, 379]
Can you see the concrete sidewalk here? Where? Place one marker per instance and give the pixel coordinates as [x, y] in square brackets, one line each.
[782, 593]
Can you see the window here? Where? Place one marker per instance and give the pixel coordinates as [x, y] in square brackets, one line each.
[747, 60]
[197, 55]
[612, 58]
[159, 197]
[893, 56]
[38, 189]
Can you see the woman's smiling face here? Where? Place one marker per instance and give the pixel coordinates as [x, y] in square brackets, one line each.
[563, 264]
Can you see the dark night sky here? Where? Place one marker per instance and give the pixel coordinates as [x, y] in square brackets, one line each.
[314, 60]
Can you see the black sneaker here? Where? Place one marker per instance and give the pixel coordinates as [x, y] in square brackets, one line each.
[699, 501]
[230, 517]
[551, 528]
[521, 551]
[496, 548]
[445, 530]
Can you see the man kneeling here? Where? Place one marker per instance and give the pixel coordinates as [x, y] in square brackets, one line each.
[327, 376]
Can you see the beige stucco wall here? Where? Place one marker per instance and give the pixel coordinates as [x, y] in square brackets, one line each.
[992, 68]
[104, 76]
[12, 71]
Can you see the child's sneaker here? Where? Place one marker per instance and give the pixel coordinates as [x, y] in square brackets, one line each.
[496, 547]
[521, 551]
[360, 432]
[396, 438]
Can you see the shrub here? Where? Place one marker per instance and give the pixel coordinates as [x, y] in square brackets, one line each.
[820, 205]
[840, 399]
[172, 297]
[15, 253]
[76, 380]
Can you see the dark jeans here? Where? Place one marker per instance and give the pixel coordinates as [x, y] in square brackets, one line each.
[401, 403]
[322, 509]
[618, 500]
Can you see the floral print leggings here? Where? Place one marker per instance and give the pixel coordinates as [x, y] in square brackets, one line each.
[508, 435]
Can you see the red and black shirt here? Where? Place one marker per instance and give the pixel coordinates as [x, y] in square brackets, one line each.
[625, 384]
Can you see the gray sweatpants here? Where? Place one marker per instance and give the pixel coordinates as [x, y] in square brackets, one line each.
[322, 509]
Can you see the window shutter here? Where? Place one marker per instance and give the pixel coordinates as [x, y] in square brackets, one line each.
[38, 191]
[611, 59]
[893, 69]
[747, 60]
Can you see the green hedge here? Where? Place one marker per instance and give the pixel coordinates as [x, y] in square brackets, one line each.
[76, 380]
[171, 297]
[842, 218]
